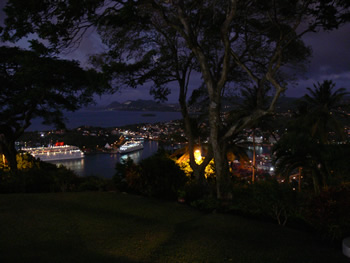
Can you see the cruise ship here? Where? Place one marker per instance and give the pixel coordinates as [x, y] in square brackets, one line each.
[131, 146]
[55, 153]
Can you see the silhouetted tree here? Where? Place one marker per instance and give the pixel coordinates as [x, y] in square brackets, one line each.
[259, 37]
[326, 106]
[306, 143]
[36, 85]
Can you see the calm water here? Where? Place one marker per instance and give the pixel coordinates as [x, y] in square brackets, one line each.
[103, 164]
[108, 119]
[259, 150]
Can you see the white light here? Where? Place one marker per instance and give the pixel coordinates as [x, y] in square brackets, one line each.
[197, 156]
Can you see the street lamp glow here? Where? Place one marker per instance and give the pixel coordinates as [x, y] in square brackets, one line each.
[197, 156]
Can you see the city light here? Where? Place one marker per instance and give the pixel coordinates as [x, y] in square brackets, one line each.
[197, 156]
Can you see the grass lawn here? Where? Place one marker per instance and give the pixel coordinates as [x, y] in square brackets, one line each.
[112, 227]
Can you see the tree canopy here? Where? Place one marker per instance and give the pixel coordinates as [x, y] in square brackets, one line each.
[313, 139]
[225, 41]
[326, 106]
[36, 85]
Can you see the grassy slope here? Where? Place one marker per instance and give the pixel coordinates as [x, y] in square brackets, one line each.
[110, 227]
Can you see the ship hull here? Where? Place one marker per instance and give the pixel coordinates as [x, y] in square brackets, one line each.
[131, 146]
[59, 157]
[55, 153]
[132, 149]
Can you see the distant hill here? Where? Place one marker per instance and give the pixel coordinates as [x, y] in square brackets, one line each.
[141, 105]
[284, 104]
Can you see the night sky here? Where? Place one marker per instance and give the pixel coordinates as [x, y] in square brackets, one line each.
[330, 60]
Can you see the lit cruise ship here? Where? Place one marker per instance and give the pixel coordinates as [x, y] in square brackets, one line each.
[131, 146]
[55, 153]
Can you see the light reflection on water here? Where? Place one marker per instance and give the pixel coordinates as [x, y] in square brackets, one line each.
[103, 164]
[135, 156]
[258, 150]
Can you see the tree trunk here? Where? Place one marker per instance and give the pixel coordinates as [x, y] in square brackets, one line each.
[254, 158]
[221, 164]
[214, 86]
[315, 183]
[299, 179]
[10, 152]
[197, 171]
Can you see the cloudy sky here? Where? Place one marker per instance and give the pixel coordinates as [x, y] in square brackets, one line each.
[330, 60]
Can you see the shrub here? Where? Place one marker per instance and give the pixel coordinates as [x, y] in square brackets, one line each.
[156, 176]
[278, 201]
[65, 179]
[92, 183]
[127, 177]
[161, 177]
[267, 199]
[195, 191]
[38, 181]
[10, 182]
[34, 176]
[329, 212]
[206, 204]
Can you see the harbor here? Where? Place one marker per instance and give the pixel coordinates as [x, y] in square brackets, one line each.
[103, 164]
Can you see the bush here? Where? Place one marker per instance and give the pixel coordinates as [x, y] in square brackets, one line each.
[329, 212]
[65, 179]
[195, 191]
[156, 176]
[127, 177]
[38, 181]
[10, 182]
[161, 177]
[92, 183]
[266, 199]
[206, 204]
[278, 201]
[34, 176]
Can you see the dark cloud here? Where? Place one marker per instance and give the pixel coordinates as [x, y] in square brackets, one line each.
[331, 51]
[2, 14]
[330, 60]
[90, 45]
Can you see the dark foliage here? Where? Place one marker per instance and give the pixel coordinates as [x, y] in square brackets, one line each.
[92, 183]
[127, 177]
[40, 177]
[265, 199]
[35, 176]
[329, 212]
[36, 84]
[195, 191]
[156, 176]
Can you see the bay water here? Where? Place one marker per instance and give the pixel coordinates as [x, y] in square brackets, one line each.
[103, 164]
